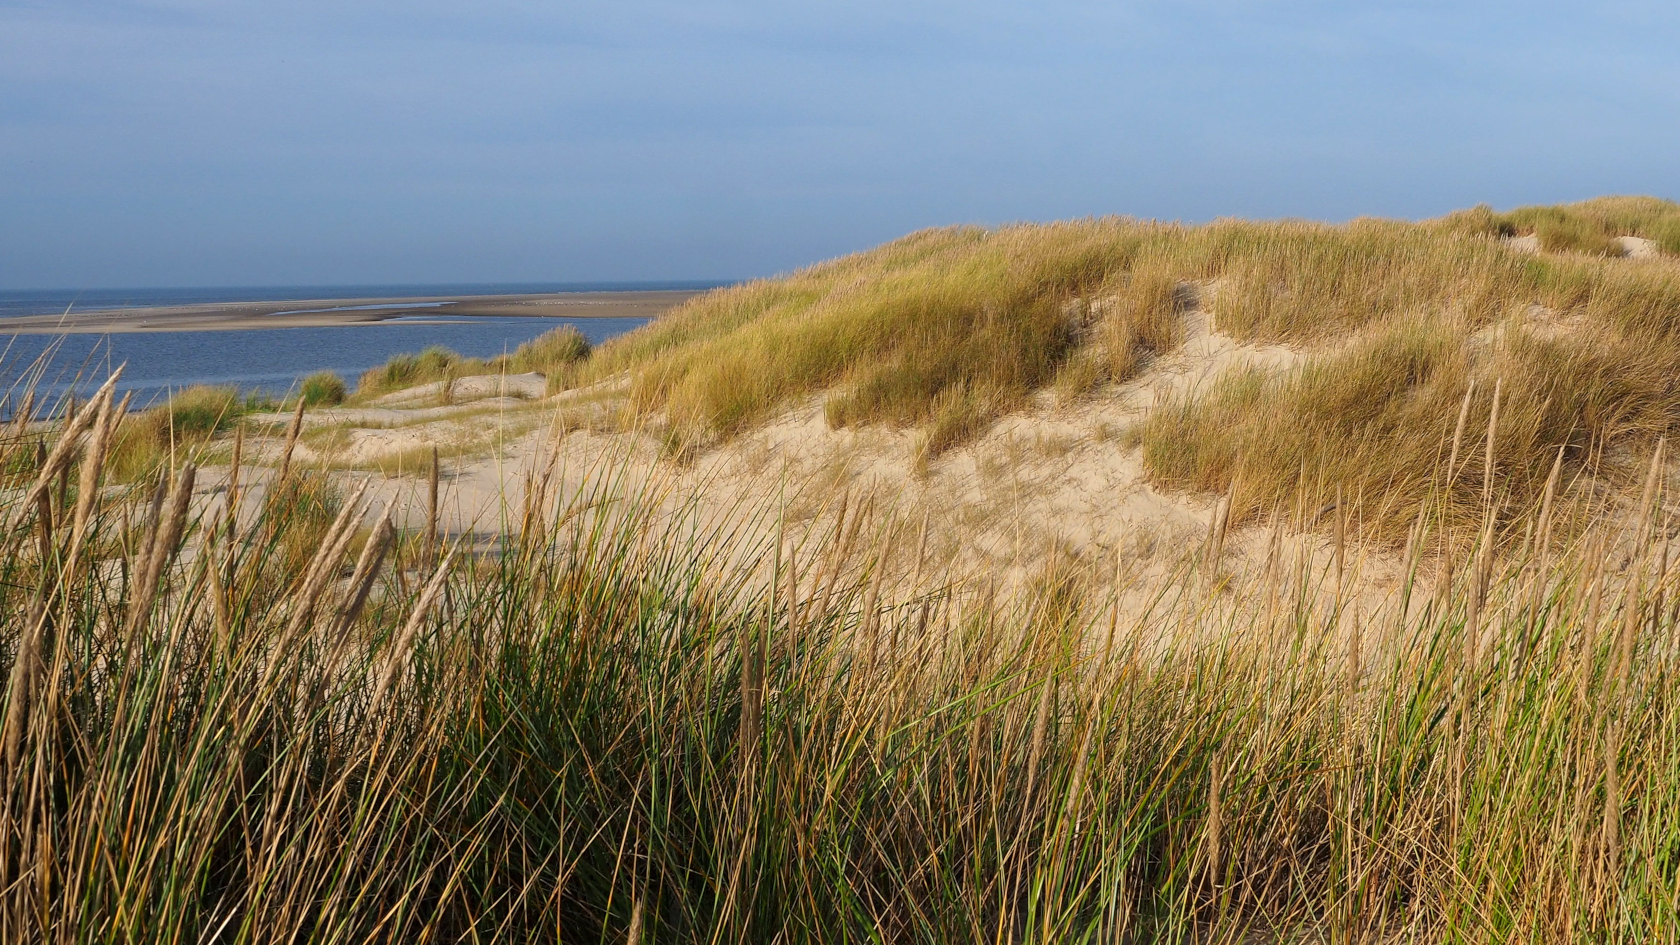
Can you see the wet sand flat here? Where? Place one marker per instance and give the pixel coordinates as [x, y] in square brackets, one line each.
[348, 311]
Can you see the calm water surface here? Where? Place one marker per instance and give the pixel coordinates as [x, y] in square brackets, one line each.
[270, 360]
[57, 301]
[267, 360]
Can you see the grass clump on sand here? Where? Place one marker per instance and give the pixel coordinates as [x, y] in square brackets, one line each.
[548, 354]
[300, 512]
[948, 329]
[628, 727]
[554, 354]
[435, 363]
[322, 389]
[173, 430]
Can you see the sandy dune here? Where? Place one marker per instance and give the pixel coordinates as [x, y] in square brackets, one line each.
[1054, 486]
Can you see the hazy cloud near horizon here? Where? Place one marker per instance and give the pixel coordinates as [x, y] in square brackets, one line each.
[182, 143]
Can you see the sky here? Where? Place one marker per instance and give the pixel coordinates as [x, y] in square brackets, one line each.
[343, 142]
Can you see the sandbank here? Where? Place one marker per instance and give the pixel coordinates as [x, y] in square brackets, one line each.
[309, 313]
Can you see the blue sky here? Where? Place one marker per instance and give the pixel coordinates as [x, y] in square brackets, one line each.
[344, 142]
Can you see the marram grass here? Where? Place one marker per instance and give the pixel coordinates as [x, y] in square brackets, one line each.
[947, 330]
[623, 727]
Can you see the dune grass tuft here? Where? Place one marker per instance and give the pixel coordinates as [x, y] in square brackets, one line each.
[435, 363]
[549, 352]
[174, 430]
[323, 389]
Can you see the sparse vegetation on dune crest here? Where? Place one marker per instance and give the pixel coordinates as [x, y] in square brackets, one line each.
[1591, 226]
[948, 329]
[941, 316]
[625, 726]
[553, 354]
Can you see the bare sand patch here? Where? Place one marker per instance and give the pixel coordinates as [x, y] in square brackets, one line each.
[1635, 247]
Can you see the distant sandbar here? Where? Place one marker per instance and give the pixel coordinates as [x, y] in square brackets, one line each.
[310, 313]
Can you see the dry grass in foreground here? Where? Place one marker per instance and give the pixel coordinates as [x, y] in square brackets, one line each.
[621, 728]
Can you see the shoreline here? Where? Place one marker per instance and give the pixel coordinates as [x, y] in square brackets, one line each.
[317, 313]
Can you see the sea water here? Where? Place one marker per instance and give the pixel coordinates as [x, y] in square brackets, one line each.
[60, 301]
[270, 361]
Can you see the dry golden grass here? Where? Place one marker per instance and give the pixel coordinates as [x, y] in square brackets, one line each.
[1590, 375]
[949, 329]
[1590, 226]
[172, 431]
[951, 326]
